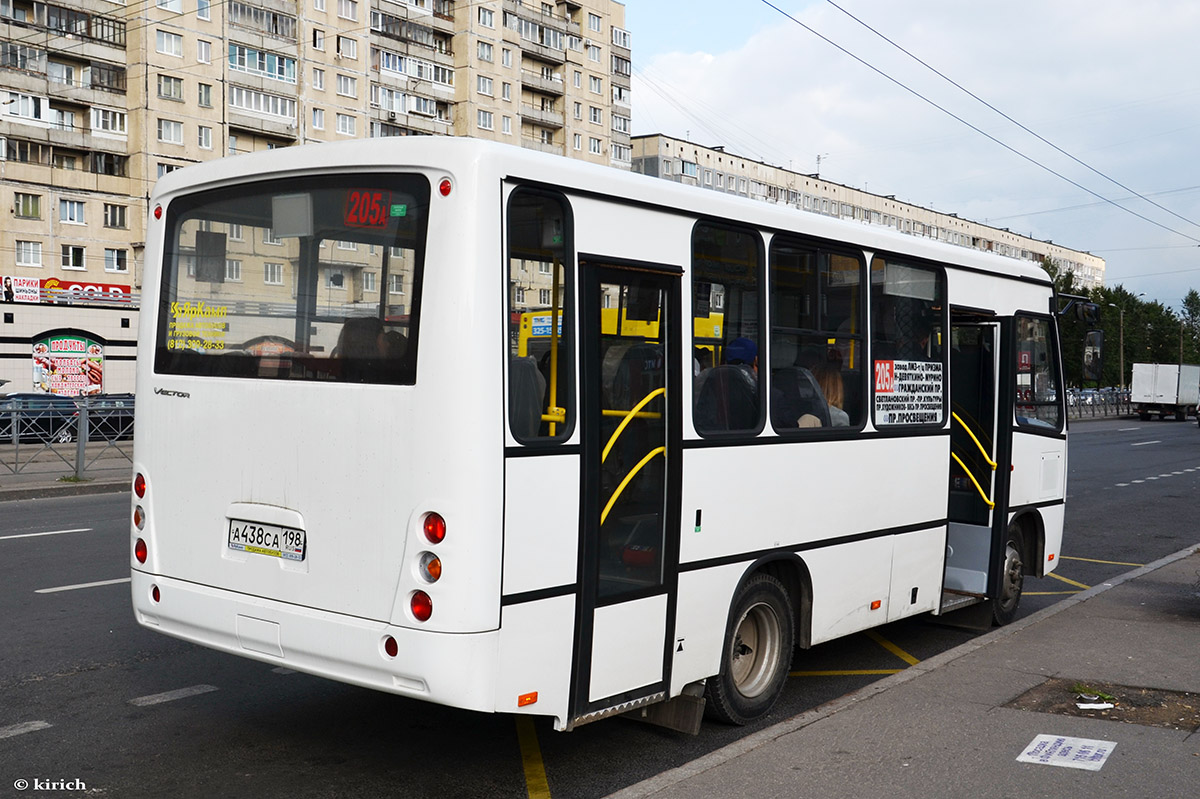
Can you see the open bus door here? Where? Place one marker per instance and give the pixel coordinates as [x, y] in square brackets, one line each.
[630, 487]
[982, 565]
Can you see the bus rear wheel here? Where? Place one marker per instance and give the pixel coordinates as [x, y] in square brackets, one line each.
[1012, 577]
[757, 655]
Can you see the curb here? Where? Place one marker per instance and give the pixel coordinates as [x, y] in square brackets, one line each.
[668, 779]
[45, 491]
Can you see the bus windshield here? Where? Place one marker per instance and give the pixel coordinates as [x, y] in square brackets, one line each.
[295, 279]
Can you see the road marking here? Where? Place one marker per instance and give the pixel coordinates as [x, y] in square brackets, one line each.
[1127, 429]
[51, 532]
[1144, 443]
[81, 585]
[22, 728]
[171, 696]
[1108, 562]
[1068, 582]
[531, 758]
[844, 673]
[889, 646]
[1048, 593]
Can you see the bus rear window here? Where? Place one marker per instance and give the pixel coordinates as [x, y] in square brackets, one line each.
[298, 279]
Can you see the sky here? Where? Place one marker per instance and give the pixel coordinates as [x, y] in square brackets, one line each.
[1098, 91]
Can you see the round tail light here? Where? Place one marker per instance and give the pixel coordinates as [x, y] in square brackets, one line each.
[435, 528]
[421, 605]
[139, 485]
[431, 567]
[139, 551]
[391, 647]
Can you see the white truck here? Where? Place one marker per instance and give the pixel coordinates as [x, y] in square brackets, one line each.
[1165, 388]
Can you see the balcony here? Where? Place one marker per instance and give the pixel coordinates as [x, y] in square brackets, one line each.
[549, 118]
[539, 82]
[538, 144]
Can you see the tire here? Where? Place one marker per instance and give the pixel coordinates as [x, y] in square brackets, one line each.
[1181, 414]
[1012, 578]
[757, 653]
[1144, 416]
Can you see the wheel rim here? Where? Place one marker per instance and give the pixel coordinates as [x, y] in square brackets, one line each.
[755, 650]
[1010, 590]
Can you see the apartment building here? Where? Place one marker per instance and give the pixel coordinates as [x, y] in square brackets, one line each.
[99, 99]
[715, 169]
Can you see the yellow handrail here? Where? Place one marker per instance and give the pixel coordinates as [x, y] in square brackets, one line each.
[613, 499]
[628, 416]
[982, 451]
[552, 408]
[978, 487]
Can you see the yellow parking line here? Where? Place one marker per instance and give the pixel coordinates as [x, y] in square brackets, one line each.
[843, 673]
[531, 758]
[1108, 562]
[1068, 582]
[889, 646]
[1048, 593]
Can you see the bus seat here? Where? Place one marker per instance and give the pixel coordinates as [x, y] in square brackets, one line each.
[728, 400]
[794, 393]
[526, 387]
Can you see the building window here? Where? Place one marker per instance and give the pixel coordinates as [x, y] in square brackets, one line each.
[233, 270]
[395, 283]
[485, 85]
[203, 51]
[318, 118]
[485, 51]
[578, 79]
[73, 257]
[168, 43]
[595, 115]
[621, 38]
[594, 22]
[578, 141]
[347, 86]
[115, 216]
[347, 47]
[115, 261]
[318, 39]
[335, 279]
[346, 125]
[318, 5]
[170, 131]
[29, 253]
[506, 57]
[203, 9]
[595, 85]
[109, 121]
[623, 153]
[318, 78]
[594, 145]
[70, 211]
[347, 9]
[370, 282]
[487, 17]
[621, 124]
[166, 169]
[506, 91]
[204, 95]
[170, 88]
[485, 120]
[233, 140]
[171, 5]
[27, 206]
[204, 137]
[506, 126]
[593, 52]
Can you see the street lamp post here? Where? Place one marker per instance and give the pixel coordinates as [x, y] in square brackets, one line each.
[1121, 338]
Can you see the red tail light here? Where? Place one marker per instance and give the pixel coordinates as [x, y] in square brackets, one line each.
[139, 551]
[435, 528]
[421, 605]
[391, 647]
[139, 485]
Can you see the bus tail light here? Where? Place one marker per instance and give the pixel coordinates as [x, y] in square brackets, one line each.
[139, 517]
[139, 485]
[435, 528]
[421, 606]
[391, 647]
[527, 699]
[139, 551]
[430, 567]
[154, 593]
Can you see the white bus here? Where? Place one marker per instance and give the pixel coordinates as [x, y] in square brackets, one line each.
[751, 429]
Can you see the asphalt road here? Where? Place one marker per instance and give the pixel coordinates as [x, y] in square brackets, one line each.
[87, 696]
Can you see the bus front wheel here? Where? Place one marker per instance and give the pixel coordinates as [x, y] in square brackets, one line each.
[1012, 577]
[758, 653]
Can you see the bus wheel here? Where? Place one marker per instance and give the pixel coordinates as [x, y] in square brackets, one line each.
[1012, 578]
[758, 653]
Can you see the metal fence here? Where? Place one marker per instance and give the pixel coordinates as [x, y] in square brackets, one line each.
[1098, 404]
[57, 437]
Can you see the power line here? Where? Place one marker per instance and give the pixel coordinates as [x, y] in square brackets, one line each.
[1023, 127]
[975, 128]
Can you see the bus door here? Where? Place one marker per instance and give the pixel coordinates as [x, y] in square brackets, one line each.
[630, 486]
[978, 457]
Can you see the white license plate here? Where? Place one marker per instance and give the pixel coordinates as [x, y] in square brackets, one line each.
[267, 539]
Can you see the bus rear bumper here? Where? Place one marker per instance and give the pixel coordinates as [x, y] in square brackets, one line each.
[454, 669]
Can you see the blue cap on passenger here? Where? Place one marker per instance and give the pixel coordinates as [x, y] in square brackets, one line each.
[741, 350]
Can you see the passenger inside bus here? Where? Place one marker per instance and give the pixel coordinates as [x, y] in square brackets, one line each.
[796, 399]
[829, 378]
[728, 398]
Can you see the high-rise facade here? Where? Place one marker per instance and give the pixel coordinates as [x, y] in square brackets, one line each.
[99, 99]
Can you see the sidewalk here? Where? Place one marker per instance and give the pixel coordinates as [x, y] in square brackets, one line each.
[36, 485]
[953, 726]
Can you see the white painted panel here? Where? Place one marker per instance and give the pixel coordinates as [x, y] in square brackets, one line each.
[1052, 475]
[1032, 456]
[627, 646]
[535, 649]
[702, 613]
[846, 580]
[541, 522]
[916, 564]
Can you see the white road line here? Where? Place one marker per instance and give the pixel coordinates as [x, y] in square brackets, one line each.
[21, 729]
[171, 696]
[52, 532]
[81, 585]
[1144, 443]
[1127, 429]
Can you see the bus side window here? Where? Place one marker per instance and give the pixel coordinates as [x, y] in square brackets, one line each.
[908, 349]
[726, 321]
[1037, 397]
[541, 405]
